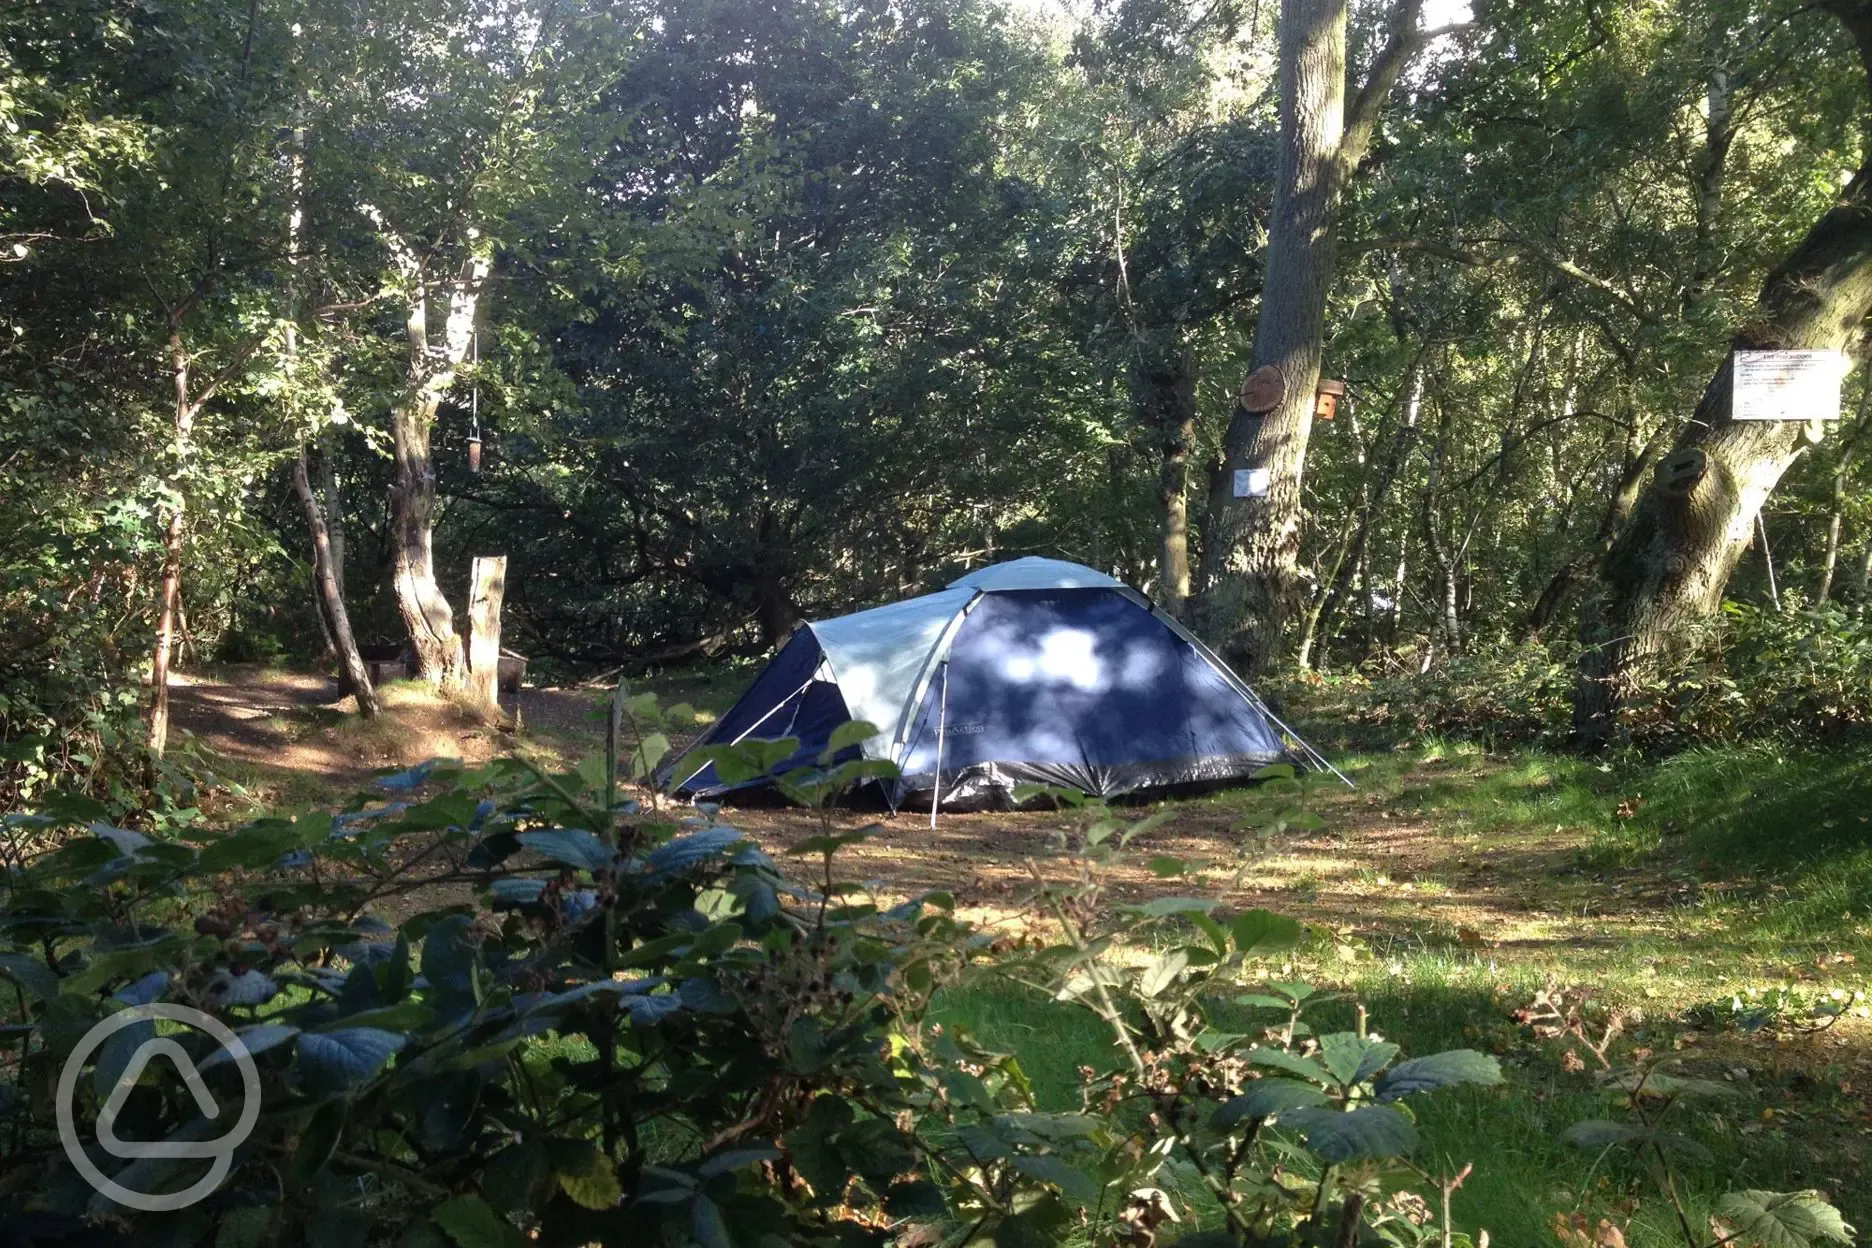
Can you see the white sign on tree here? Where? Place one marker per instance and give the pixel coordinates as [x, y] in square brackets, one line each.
[1252, 482]
[1787, 385]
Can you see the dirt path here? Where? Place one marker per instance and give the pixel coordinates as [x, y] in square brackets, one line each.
[1366, 873]
[1378, 868]
[291, 731]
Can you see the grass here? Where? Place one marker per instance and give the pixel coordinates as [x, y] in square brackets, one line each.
[1468, 878]
[1524, 1172]
[1670, 889]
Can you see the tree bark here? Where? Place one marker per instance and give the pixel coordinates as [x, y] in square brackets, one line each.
[1860, 581]
[425, 609]
[1252, 584]
[332, 496]
[354, 676]
[1618, 510]
[488, 585]
[174, 535]
[1667, 571]
[1448, 562]
[420, 601]
[1842, 472]
[1372, 503]
[1711, 169]
[1170, 393]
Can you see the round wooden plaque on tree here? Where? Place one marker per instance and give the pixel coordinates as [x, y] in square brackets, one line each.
[1263, 389]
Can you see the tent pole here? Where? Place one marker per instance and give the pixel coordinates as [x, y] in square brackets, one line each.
[739, 737]
[942, 725]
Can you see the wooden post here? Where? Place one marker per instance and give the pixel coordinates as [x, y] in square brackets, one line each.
[489, 583]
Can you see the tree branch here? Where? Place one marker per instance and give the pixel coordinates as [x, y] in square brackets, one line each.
[1549, 256]
[1361, 118]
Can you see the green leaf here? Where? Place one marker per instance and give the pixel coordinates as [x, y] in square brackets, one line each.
[918, 1198]
[1162, 972]
[829, 844]
[814, 1155]
[1265, 1098]
[707, 1224]
[1262, 1001]
[1439, 1070]
[1783, 1219]
[848, 734]
[319, 1140]
[1049, 1169]
[684, 852]
[1292, 1063]
[1599, 1133]
[30, 973]
[1657, 1083]
[347, 1056]
[1353, 1058]
[650, 751]
[255, 1039]
[244, 1228]
[1261, 932]
[1370, 1131]
[403, 1016]
[805, 1045]
[877, 1150]
[1212, 932]
[588, 1178]
[472, 1223]
[575, 847]
[1162, 907]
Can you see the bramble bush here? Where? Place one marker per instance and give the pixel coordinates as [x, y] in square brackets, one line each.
[1751, 673]
[595, 1021]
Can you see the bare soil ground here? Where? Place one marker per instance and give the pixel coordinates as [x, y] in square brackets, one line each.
[292, 730]
[1415, 872]
[1379, 867]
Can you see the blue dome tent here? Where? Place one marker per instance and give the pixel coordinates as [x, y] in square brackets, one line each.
[1030, 671]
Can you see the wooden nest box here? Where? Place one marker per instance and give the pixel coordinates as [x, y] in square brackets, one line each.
[1326, 399]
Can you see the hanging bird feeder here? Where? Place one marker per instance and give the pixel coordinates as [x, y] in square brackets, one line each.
[1326, 399]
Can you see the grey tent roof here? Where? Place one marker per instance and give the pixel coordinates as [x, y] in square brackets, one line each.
[1035, 572]
[878, 656]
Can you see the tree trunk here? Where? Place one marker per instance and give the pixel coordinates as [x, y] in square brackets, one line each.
[420, 601]
[332, 496]
[1860, 582]
[1667, 571]
[1251, 546]
[1396, 621]
[1842, 471]
[425, 610]
[1448, 562]
[1711, 169]
[354, 676]
[488, 585]
[1372, 504]
[1171, 395]
[174, 535]
[1617, 511]
[1250, 567]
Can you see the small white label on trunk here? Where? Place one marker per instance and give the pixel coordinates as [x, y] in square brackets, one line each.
[1252, 482]
[1787, 385]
